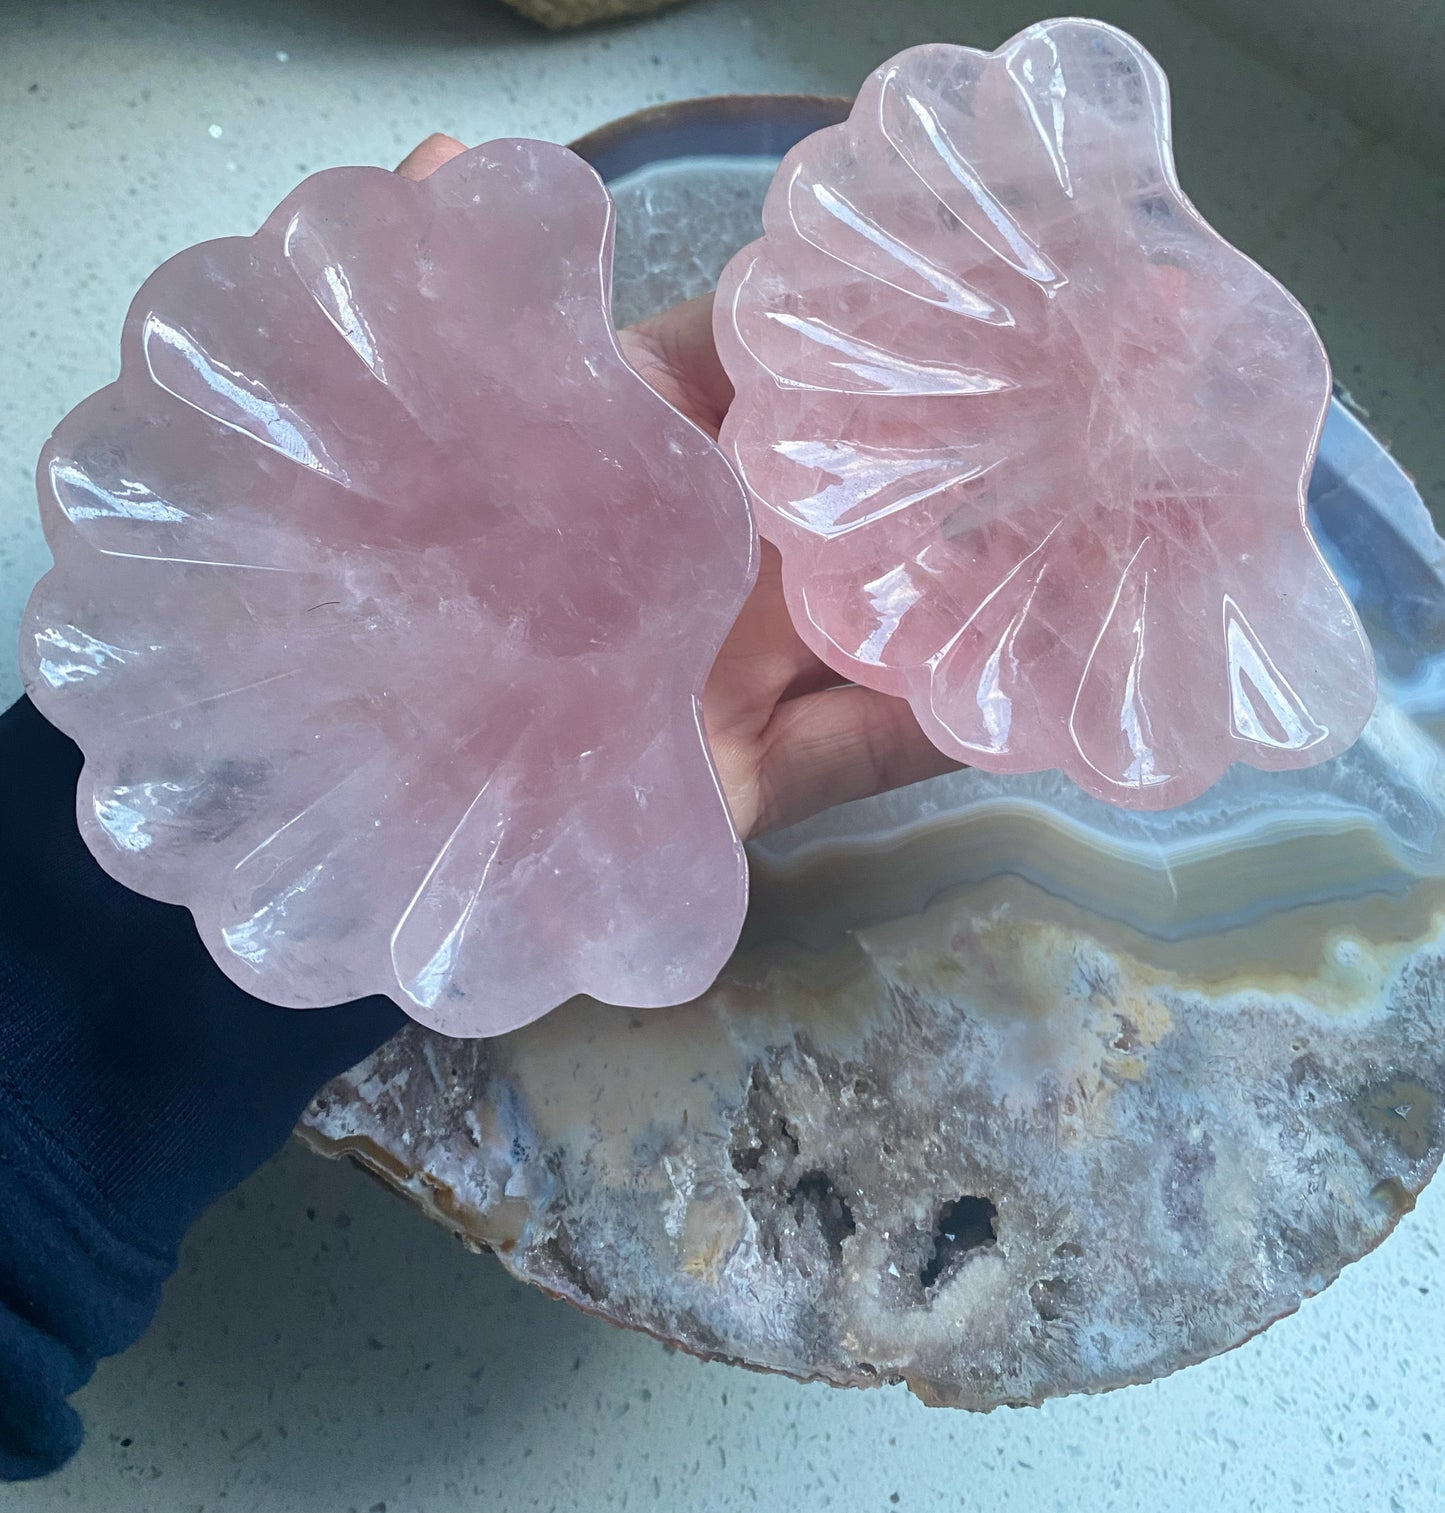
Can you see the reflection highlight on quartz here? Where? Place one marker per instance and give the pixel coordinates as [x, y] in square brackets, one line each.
[181, 366]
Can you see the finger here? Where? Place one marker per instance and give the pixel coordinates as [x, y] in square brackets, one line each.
[426, 157]
[674, 352]
[813, 676]
[846, 743]
[804, 671]
[763, 660]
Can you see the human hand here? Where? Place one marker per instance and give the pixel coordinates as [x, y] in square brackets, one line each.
[789, 736]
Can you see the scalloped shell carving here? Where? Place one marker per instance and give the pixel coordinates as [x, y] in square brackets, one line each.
[1032, 438]
[384, 596]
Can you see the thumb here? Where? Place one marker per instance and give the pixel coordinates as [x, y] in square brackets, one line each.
[426, 157]
[674, 352]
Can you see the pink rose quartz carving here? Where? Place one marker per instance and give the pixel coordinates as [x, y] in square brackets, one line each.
[384, 595]
[1032, 438]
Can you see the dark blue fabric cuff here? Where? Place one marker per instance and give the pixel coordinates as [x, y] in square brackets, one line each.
[137, 1085]
[72, 1289]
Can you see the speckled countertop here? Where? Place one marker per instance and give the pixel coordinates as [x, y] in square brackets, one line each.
[323, 1348]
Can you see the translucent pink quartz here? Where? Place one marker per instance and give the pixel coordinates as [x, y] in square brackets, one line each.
[1032, 438]
[384, 595]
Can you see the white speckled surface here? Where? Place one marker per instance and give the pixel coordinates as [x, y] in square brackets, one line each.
[1382, 61]
[325, 1349]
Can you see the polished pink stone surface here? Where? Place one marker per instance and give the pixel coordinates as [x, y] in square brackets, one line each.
[384, 596]
[1032, 438]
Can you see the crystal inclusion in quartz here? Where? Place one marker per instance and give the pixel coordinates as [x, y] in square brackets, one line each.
[1032, 438]
[384, 596]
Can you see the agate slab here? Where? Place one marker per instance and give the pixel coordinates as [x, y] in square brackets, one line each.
[384, 596]
[1032, 438]
[1007, 1092]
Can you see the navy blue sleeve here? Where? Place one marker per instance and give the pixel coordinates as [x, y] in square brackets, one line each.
[137, 1085]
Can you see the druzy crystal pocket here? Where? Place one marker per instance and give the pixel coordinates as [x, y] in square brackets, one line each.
[384, 596]
[1032, 438]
